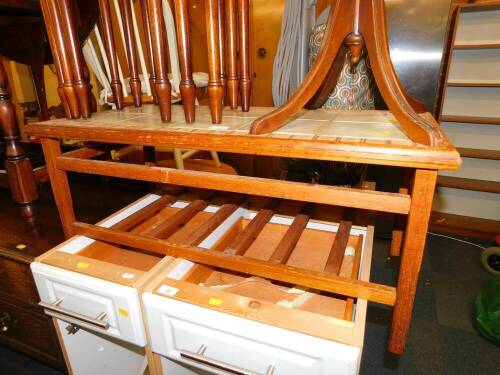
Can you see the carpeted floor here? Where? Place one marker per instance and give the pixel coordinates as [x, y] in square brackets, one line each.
[442, 338]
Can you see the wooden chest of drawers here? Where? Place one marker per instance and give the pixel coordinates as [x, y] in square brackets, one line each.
[23, 325]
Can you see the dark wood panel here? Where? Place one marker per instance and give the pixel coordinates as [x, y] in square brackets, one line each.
[29, 332]
[16, 279]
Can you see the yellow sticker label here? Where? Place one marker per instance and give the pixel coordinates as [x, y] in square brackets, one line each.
[215, 301]
[123, 312]
[21, 246]
[82, 265]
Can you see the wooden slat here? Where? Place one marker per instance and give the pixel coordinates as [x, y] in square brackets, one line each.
[336, 255]
[144, 213]
[477, 46]
[472, 119]
[211, 224]
[243, 241]
[478, 153]
[469, 184]
[84, 153]
[472, 84]
[354, 275]
[293, 275]
[168, 227]
[333, 195]
[289, 240]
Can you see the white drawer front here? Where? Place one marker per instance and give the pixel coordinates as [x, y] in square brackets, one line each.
[176, 327]
[85, 296]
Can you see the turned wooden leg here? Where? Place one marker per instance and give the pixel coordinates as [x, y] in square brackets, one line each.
[109, 43]
[244, 32]
[149, 47]
[162, 83]
[130, 42]
[55, 54]
[20, 174]
[54, 18]
[72, 43]
[232, 53]
[187, 86]
[400, 220]
[411, 259]
[222, 47]
[214, 82]
[59, 183]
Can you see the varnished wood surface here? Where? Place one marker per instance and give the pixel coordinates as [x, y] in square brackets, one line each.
[371, 137]
[335, 284]
[422, 193]
[20, 177]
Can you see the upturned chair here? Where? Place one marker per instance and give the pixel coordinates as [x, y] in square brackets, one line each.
[158, 19]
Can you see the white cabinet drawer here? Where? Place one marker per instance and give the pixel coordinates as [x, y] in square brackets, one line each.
[83, 299]
[249, 325]
[179, 328]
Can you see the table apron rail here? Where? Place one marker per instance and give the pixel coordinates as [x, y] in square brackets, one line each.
[348, 197]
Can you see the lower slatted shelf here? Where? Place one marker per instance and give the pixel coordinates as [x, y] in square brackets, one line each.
[251, 323]
[276, 269]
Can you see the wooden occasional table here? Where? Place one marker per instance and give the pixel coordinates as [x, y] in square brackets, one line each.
[371, 137]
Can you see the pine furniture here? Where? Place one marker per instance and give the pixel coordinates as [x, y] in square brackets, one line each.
[404, 136]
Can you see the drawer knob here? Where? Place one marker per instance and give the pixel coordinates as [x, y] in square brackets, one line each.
[199, 357]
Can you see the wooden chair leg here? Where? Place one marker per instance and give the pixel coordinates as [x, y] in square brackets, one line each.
[411, 260]
[130, 42]
[56, 57]
[20, 174]
[214, 82]
[149, 47]
[73, 45]
[222, 47]
[232, 53]
[109, 43]
[67, 74]
[187, 86]
[162, 83]
[244, 34]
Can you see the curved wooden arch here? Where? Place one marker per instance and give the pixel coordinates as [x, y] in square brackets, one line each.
[347, 18]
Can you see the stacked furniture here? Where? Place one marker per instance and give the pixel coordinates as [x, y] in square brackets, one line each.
[405, 135]
[470, 113]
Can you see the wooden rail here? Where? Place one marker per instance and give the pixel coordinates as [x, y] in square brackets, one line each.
[317, 280]
[349, 197]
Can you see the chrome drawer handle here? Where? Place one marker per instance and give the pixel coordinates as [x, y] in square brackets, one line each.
[200, 358]
[54, 307]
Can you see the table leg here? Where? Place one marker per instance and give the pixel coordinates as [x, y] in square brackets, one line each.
[400, 220]
[59, 183]
[411, 260]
